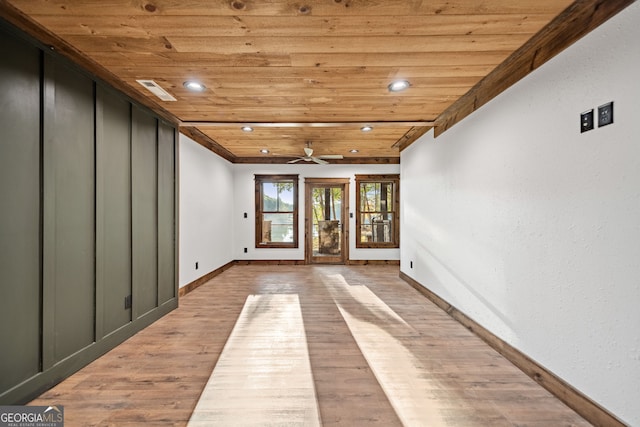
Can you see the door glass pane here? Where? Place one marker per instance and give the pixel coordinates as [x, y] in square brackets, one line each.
[326, 221]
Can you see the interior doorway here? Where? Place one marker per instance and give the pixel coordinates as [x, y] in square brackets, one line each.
[326, 224]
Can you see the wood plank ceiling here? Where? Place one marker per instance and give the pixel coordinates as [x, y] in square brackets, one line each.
[315, 71]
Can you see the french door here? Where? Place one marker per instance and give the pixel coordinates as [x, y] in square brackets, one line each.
[326, 223]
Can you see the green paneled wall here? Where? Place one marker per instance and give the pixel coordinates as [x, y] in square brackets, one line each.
[69, 216]
[166, 213]
[144, 167]
[19, 212]
[113, 209]
[88, 193]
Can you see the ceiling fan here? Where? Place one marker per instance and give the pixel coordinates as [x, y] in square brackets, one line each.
[309, 157]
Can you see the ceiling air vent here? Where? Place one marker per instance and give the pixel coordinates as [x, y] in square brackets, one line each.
[155, 89]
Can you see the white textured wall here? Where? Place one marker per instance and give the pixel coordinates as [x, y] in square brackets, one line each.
[533, 229]
[206, 211]
[245, 202]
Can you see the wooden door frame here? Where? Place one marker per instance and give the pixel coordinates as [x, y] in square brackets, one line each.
[309, 184]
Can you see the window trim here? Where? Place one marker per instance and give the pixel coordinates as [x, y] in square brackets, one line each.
[259, 180]
[395, 243]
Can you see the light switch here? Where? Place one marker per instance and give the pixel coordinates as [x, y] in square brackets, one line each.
[605, 114]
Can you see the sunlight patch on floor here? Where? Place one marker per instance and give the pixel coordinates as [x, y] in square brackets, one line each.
[263, 374]
[378, 330]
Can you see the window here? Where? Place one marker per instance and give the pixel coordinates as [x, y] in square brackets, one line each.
[377, 211]
[276, 211]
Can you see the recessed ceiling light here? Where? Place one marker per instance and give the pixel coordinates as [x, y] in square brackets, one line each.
[264, 151]
[354, 151]
[247, 129]
[366, 128]
[194, 86]
[398, 85]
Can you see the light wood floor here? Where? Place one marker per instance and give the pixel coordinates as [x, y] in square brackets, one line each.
[306, 345]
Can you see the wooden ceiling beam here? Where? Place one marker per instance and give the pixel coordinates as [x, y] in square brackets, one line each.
[411, 136]
[306, 124]
[207, 142]
[344, 161]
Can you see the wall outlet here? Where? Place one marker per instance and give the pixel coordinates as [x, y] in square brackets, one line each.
[245, 250]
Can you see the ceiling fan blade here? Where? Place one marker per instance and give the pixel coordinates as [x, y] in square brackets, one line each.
[318, 161]
[295, 160]
[331, 156]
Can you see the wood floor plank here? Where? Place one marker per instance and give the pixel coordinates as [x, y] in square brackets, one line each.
[379, 353]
